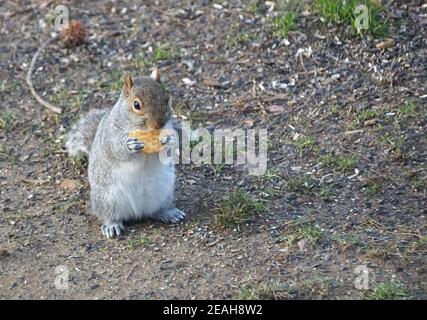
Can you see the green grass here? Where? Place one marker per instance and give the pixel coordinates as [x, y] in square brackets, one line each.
[302, 184]
[80, 161]
[420, 183]
[6, 156]
[404, 112]
[305, 142]
[308, 186]
[237, 208]
[271, 175]
[341, 163]
[6, 119]
[254, 6]
[284, 23]
[191, 224]
[113, 82]
[221, 2]
[377, 114]
[389, 291]
[421, 244]
[238, 39]
[8, 85]
[312, 288]
[334, 110]
[180, 108]
[348, 239]
[394, 143]
[60, 97]
[197, 116]
[163, 52]
[217, 169]
[138, 242]
[271, 192]
[373, 187]
[142, 61]
[77, 101]
[326, 193]
[332, 10]
[3, 154]
[263, 291]
[15, 216]
[409, 109]
[367, 114]
[344, 12]
[302, 230]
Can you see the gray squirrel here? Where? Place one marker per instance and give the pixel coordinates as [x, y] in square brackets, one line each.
[126, 184]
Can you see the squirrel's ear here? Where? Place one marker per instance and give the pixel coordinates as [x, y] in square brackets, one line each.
[155, 74]
[128, 84]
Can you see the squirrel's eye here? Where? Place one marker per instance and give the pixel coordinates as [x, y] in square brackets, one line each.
[136, 105]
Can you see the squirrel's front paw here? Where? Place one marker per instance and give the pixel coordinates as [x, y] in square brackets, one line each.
[169, 139]
[134, 145]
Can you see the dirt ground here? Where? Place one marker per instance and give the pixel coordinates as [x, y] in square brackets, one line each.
[345, 189]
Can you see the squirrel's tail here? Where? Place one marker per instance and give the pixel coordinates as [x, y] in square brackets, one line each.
[80, 138]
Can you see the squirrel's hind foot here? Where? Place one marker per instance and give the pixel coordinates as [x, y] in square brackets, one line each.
[170, 216]
[112, 230]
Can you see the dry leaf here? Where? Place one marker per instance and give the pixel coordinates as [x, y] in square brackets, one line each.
[370, 122]
[212, 82]
[388, 43]
[275, 108]
[69, 184]
[302, 244]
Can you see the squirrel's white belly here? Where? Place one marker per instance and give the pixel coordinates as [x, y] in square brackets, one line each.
[145, 186]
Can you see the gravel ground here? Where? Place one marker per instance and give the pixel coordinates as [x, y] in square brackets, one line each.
[345, 186]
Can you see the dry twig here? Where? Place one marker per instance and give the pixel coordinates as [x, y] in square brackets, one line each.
[30, 71]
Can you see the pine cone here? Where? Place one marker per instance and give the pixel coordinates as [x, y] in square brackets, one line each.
[73, 34]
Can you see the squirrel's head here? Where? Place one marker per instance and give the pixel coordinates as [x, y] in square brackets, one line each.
[147, 100]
